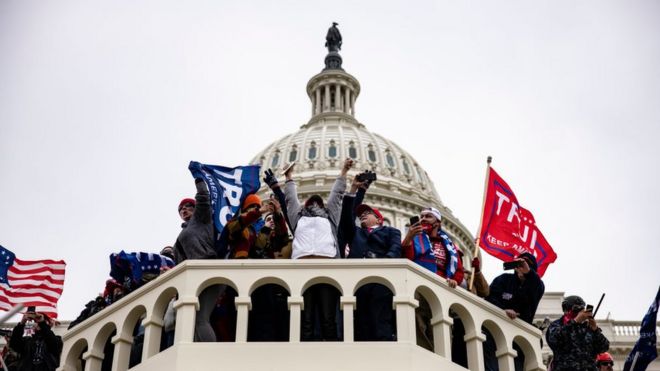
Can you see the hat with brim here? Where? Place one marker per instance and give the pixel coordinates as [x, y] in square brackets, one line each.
[364, 207]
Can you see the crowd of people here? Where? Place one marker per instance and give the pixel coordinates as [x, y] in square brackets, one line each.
[281, 227]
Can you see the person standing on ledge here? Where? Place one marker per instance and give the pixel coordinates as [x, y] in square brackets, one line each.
[196, 242]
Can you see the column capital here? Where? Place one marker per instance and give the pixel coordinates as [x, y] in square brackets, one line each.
[92, 354]
[121, 338]
[243, 300]
[442, 320]
[296, 301]
[152, 321]
[405, 300]
[475, 336]
[188, 300]
[506, 352]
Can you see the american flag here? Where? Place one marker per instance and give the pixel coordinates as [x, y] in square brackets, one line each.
[37, 283]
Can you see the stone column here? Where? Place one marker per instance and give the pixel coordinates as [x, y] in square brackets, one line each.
[186, 309]
[505, 359]
[475, 350]
[93, 359]
[442, 336]
[347, 304]
[153, 328]
[317, 102]
[296, 306]
[122, 352]
[405, 319]
[243, 306]
[326, 104]
[347, 101]
[353, 104]
[337, 98]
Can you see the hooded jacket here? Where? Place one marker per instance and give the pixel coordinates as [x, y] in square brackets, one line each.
[196, 238]
[507, 291]
[306, 230]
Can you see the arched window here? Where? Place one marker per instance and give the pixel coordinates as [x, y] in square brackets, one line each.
[276, 159]
[352, 151]
[311, 153]
[332, 149]
[371, 154]
[389, 158]
[406, 167]
[293, 155]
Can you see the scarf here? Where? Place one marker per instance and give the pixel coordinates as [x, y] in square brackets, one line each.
[314, 211]
[424, 253]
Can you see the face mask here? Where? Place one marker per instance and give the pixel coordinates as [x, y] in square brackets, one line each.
[427, 228]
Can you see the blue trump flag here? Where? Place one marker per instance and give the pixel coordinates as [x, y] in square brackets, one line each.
[645, 350]
[228, 187]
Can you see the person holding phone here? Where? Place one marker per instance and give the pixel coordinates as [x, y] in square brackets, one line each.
[374, 317]
[41, 351]
[575, 338]
[429, 246]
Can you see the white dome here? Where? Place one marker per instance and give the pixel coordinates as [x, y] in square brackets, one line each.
[319, 148]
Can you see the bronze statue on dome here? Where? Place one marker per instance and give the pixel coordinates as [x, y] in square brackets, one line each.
[333, 38]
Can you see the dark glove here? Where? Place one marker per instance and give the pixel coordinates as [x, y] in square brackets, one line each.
[476, 265]
[270, 178]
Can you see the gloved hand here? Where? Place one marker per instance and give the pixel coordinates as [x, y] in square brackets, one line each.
[270, 178]
[476, 265]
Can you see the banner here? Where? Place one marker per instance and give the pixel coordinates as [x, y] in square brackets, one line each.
[645, 350]
[132, 266]
[37, 283]
[508, 229]
[228, 188]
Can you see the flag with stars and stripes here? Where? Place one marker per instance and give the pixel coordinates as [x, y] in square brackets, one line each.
[133, 266]
[37, 283]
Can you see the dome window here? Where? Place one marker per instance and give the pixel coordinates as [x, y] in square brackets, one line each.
[352, 151]
[293, 155]
[390, 159]
[311, 153]
[371, 154]
[276, 159]
[332, 150]
[406, 167]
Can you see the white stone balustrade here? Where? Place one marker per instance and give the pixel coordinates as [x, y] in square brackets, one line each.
[404, 278]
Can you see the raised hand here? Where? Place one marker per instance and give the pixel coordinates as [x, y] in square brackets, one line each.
[270, 178]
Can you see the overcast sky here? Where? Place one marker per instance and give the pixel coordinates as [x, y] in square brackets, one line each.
[104, 103]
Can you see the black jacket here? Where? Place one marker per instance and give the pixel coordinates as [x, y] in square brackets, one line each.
[381, 242]
[40, 352]
[507, 291]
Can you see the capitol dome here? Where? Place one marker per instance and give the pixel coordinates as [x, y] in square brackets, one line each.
[333, 133]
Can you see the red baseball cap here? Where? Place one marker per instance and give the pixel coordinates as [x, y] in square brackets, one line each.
[364, 207]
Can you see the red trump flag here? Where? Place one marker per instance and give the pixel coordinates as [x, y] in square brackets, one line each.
[508, 229]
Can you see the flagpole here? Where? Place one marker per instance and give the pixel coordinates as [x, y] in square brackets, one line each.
[481, 220]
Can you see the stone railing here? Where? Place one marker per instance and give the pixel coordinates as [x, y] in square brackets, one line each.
[85, 343]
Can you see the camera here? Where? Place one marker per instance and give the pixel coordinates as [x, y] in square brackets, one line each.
[512, 265]
[367, 176]
[414, 220]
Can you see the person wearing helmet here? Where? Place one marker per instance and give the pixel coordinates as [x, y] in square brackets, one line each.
[605, 362]
[575, 338]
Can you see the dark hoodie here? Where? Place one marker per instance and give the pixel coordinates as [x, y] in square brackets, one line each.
[507, 291]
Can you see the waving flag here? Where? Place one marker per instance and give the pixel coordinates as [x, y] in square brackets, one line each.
[228, 188]
[133, 266]
[508, 229]
[37, 283]
[645, 350]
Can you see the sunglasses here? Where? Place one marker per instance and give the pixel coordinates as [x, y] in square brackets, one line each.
[606, 363]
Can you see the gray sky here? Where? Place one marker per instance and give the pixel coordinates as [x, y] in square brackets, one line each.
[103, 104]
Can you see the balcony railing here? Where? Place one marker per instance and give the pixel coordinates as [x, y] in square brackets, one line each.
[404, 278]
